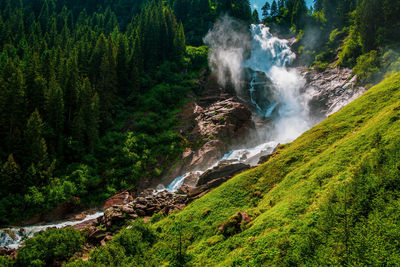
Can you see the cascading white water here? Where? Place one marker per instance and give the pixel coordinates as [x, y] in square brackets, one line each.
[270, 56]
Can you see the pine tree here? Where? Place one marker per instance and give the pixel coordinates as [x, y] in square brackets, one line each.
[10, 177]
[255, 18]
[54, 107]
[35, 145]
[179, 42]
[266, 8]
[12, 105]
[122, 67]
[274, 9]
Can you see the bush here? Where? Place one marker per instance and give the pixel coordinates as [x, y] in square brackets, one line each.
[49, 246]
[198, 57]
[130, 245]
[6, 262]
[367, 66]
[350, 50]
[110, 255]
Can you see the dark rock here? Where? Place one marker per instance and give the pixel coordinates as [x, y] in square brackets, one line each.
[141, 207]
[215, 182]
[200, 195]
[3, 251]
[193, 191]
[264, 158]
[128, 209]
[140, 200]
[96, 236]
[224, 171]
[245, 217]
[140, 213]
[112, 216]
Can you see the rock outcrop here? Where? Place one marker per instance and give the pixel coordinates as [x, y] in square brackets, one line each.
[330, 90]
[214, 120]
[120, 199]
[223, 171]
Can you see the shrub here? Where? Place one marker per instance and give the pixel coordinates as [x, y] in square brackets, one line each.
[367, 66]
[110, 255]
[198, 57]
[6, 262]
[350, 50]
[49, 246]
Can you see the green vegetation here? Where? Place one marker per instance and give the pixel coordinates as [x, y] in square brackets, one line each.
[89, 91]
[88, 103]
[53, 245]
[331, 197]
[129, 247]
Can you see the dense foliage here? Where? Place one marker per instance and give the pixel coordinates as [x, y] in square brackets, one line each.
[88, 93]
[49, 247]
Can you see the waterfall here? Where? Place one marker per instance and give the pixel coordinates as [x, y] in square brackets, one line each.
[286, 107]
[273, 88]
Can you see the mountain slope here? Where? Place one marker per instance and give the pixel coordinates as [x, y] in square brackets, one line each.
[307, 201]
[331, 197]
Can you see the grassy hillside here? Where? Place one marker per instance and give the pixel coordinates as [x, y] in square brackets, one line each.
[329, 197]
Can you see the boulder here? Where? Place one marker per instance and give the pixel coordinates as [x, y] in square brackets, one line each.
[86, 224]
[140, 200]
[330, 90]
[222, 171]
[122, 198]
[96, 235]
[264, 158]
[211, 122]
[112, 216]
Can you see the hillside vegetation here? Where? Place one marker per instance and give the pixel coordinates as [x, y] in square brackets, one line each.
[329, 197]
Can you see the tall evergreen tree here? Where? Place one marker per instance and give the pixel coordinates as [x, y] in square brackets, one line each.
[266, 8]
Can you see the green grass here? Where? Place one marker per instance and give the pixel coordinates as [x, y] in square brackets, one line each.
[329, 197]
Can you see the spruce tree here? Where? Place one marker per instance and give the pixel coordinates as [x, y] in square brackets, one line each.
[266, 8]
[35, 145]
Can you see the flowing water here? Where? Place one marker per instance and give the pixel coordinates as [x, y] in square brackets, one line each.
[277, 96]
[274, 91]
[13, 237]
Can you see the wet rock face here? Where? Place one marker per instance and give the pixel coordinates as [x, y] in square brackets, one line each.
[330, 90]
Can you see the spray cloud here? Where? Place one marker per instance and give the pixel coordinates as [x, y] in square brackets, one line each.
[230, 43]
